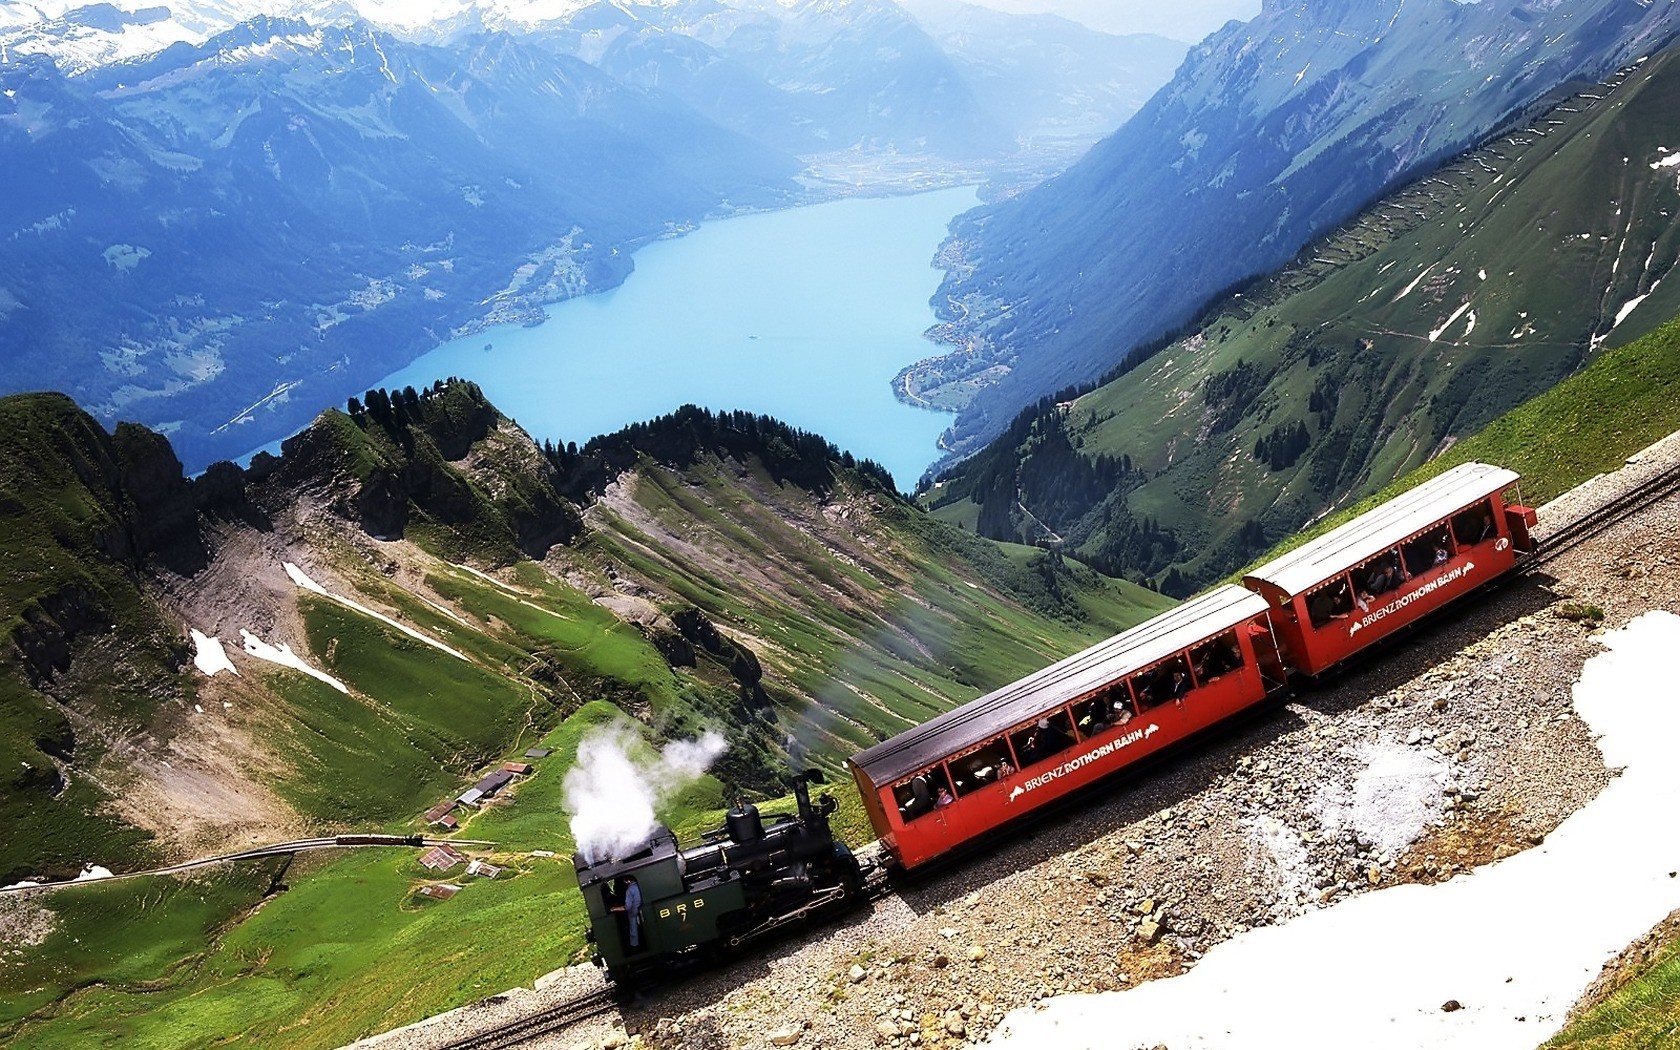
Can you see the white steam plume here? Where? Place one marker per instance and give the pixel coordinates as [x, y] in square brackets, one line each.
[612, 795]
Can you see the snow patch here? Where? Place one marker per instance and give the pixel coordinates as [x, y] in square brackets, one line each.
[209, 656]
[487, 578]
[1280, 854]
[1408, 289]
[300, 578]
[1630, 306]
[1448, 323]
[282, 654]
[1381, 965]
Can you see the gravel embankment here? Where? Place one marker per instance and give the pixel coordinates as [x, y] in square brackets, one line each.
[1453, 748]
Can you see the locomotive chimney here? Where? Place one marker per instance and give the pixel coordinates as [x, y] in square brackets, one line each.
[802, 794]
[743, 823]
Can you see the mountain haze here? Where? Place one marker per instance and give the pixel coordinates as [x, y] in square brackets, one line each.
[218, 226]
[221, 236]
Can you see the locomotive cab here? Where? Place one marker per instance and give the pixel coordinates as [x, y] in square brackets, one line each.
[740, 881]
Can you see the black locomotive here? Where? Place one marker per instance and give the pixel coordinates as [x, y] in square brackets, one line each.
[665, 905]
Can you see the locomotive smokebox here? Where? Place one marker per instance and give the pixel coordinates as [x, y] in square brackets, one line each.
[744, 823]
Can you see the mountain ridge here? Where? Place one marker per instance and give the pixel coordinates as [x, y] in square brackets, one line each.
[701, 570]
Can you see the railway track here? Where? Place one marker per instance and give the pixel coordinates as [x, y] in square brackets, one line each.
[545, 1022]
[1595, 521]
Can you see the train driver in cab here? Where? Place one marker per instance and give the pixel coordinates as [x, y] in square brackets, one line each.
[630, 904]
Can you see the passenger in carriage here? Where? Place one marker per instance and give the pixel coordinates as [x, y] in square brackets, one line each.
[944, 798]
[1031, 749]
[1180, 685]
[1101, 713]
[1384, 577]
[1051, 738]
[1318, 608]
[1427, 551]
[1096, 716]
[1484, 528]
[1475, 525]
[1218, 659]
[1341, 600]
[916, 797]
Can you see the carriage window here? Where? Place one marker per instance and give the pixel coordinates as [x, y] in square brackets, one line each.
[1378, 576]
[1108, 708]
[1333, 601]
[920, 795]
[1048, 736]
[1475, 524]
[1216, 658]
[1167, 680]
[1426, 551]
[987, 764]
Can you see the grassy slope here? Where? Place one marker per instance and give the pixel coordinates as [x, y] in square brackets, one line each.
[1643, 1013]
[882, 621]
[348, 948]
[57, 514]
[1587, 425]
[1545, 237]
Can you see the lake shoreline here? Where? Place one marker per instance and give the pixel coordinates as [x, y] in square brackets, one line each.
[805, 314]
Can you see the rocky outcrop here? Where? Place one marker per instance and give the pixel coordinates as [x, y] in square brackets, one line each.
[446, 457]
[50, 626]
[742, 663]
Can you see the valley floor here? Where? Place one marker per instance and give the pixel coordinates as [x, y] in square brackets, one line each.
[1452, 751]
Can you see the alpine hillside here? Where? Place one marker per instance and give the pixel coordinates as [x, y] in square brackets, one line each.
[1426, 316]
[1272, 133]
[413, 592]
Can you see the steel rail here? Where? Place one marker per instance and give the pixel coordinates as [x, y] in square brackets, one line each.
[546, 1021]
[1573, 533]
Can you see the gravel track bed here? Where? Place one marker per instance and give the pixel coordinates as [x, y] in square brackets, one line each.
[1450, 749]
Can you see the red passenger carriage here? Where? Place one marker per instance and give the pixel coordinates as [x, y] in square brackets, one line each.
[972, 769]
[1387, 568]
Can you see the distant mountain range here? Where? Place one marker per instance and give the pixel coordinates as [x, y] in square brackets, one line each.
[220, 238]
[218, 226]
[1272, 133]
[1429, 314]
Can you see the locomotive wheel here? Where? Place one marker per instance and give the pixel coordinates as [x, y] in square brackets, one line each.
[733, 929]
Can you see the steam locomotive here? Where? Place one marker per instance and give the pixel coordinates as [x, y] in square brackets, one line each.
[664, 906]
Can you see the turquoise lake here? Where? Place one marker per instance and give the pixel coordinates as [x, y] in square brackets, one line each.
[804, 314]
